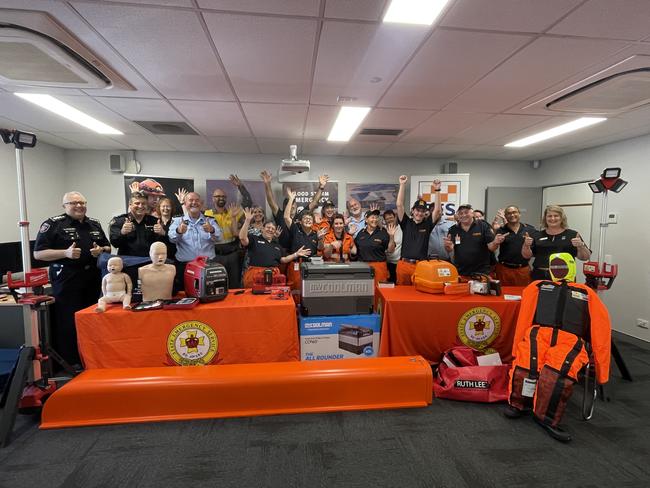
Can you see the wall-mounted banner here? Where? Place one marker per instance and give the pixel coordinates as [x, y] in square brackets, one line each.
[454, 191]
[306, 191]
[156, 187]
[254, 187]
[382, 194]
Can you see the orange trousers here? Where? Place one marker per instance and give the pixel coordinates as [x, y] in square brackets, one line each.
[405, 272]
[546, 366]
[513, 276]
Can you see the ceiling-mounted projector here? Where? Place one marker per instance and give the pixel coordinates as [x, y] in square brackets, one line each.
[292, 164]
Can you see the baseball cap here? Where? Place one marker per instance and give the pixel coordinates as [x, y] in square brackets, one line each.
[464, 206]
[372, 212]
[421, 204]
[328, 203]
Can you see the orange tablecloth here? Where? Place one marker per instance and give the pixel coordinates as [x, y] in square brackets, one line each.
[249, 329]
[420, 323]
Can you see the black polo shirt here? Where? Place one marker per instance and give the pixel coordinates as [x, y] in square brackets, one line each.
[299, 238]
[510, 248]
[372, 247]
[60, 231]
[544, 245]
[415, 238]
[264, 253]
[139, 240]
[471, 254]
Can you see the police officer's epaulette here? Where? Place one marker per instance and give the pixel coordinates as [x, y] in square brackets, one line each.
[117, 217]
[57, 217]
[93, 220]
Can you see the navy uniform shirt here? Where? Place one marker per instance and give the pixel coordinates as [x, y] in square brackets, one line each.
[299, 238]
[264, 253]
[139, 240]
[60, 231]
[544, 245]
[510, 248]
[415, 237]
[372, 247]
[471, 254]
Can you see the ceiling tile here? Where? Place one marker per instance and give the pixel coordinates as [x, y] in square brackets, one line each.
[320, 120]
[386, 118]
[444, 125]
[97, 110]
[507, 15]
[189, 143]
[143, 142]
[277, 146]
[268, 59]
[91, 140]
[165, 3]
[545, 62]
[364, 148]
[322, 148]
[446, 150]
[142, 109]
[214, 118]
[286, 7]
[613, 19]
[496, 128]
[361, 60]
[448, 63]
[167, 46]
[58, 141]
[358, 9]
[276, 121]
[403, 149]
[235, 144]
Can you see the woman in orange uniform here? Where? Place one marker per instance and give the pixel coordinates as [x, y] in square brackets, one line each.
[373, 243]
[339, 246]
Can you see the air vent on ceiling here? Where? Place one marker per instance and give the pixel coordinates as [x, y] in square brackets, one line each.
[381, 132]
[37, 51]
[615, 94]
[167, 128]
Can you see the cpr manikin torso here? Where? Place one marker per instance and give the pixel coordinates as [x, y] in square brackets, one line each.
[116, 286]
[157, 278]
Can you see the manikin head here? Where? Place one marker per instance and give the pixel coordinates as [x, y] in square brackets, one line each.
[114, 265]
[74, 204]
[158, 253]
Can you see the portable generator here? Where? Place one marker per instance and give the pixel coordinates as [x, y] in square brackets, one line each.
[206, 280]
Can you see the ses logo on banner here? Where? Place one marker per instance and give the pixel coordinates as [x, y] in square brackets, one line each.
[454, 191]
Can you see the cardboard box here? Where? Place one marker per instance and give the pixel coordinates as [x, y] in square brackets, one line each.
[339, 337]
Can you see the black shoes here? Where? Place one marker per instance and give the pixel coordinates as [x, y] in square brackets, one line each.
[511, 412]
[555, 432]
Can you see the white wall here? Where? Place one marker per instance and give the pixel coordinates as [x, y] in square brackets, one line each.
[628, 241]
[89, 172]
[44, 170]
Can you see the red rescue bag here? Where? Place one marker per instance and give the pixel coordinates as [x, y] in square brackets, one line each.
[460, 377]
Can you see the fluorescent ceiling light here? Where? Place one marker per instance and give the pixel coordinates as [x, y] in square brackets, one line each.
[347, 123]
[423, 12]
[556, 131]
[64, 110]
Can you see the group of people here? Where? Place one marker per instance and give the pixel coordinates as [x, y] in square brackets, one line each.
[246, 243]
